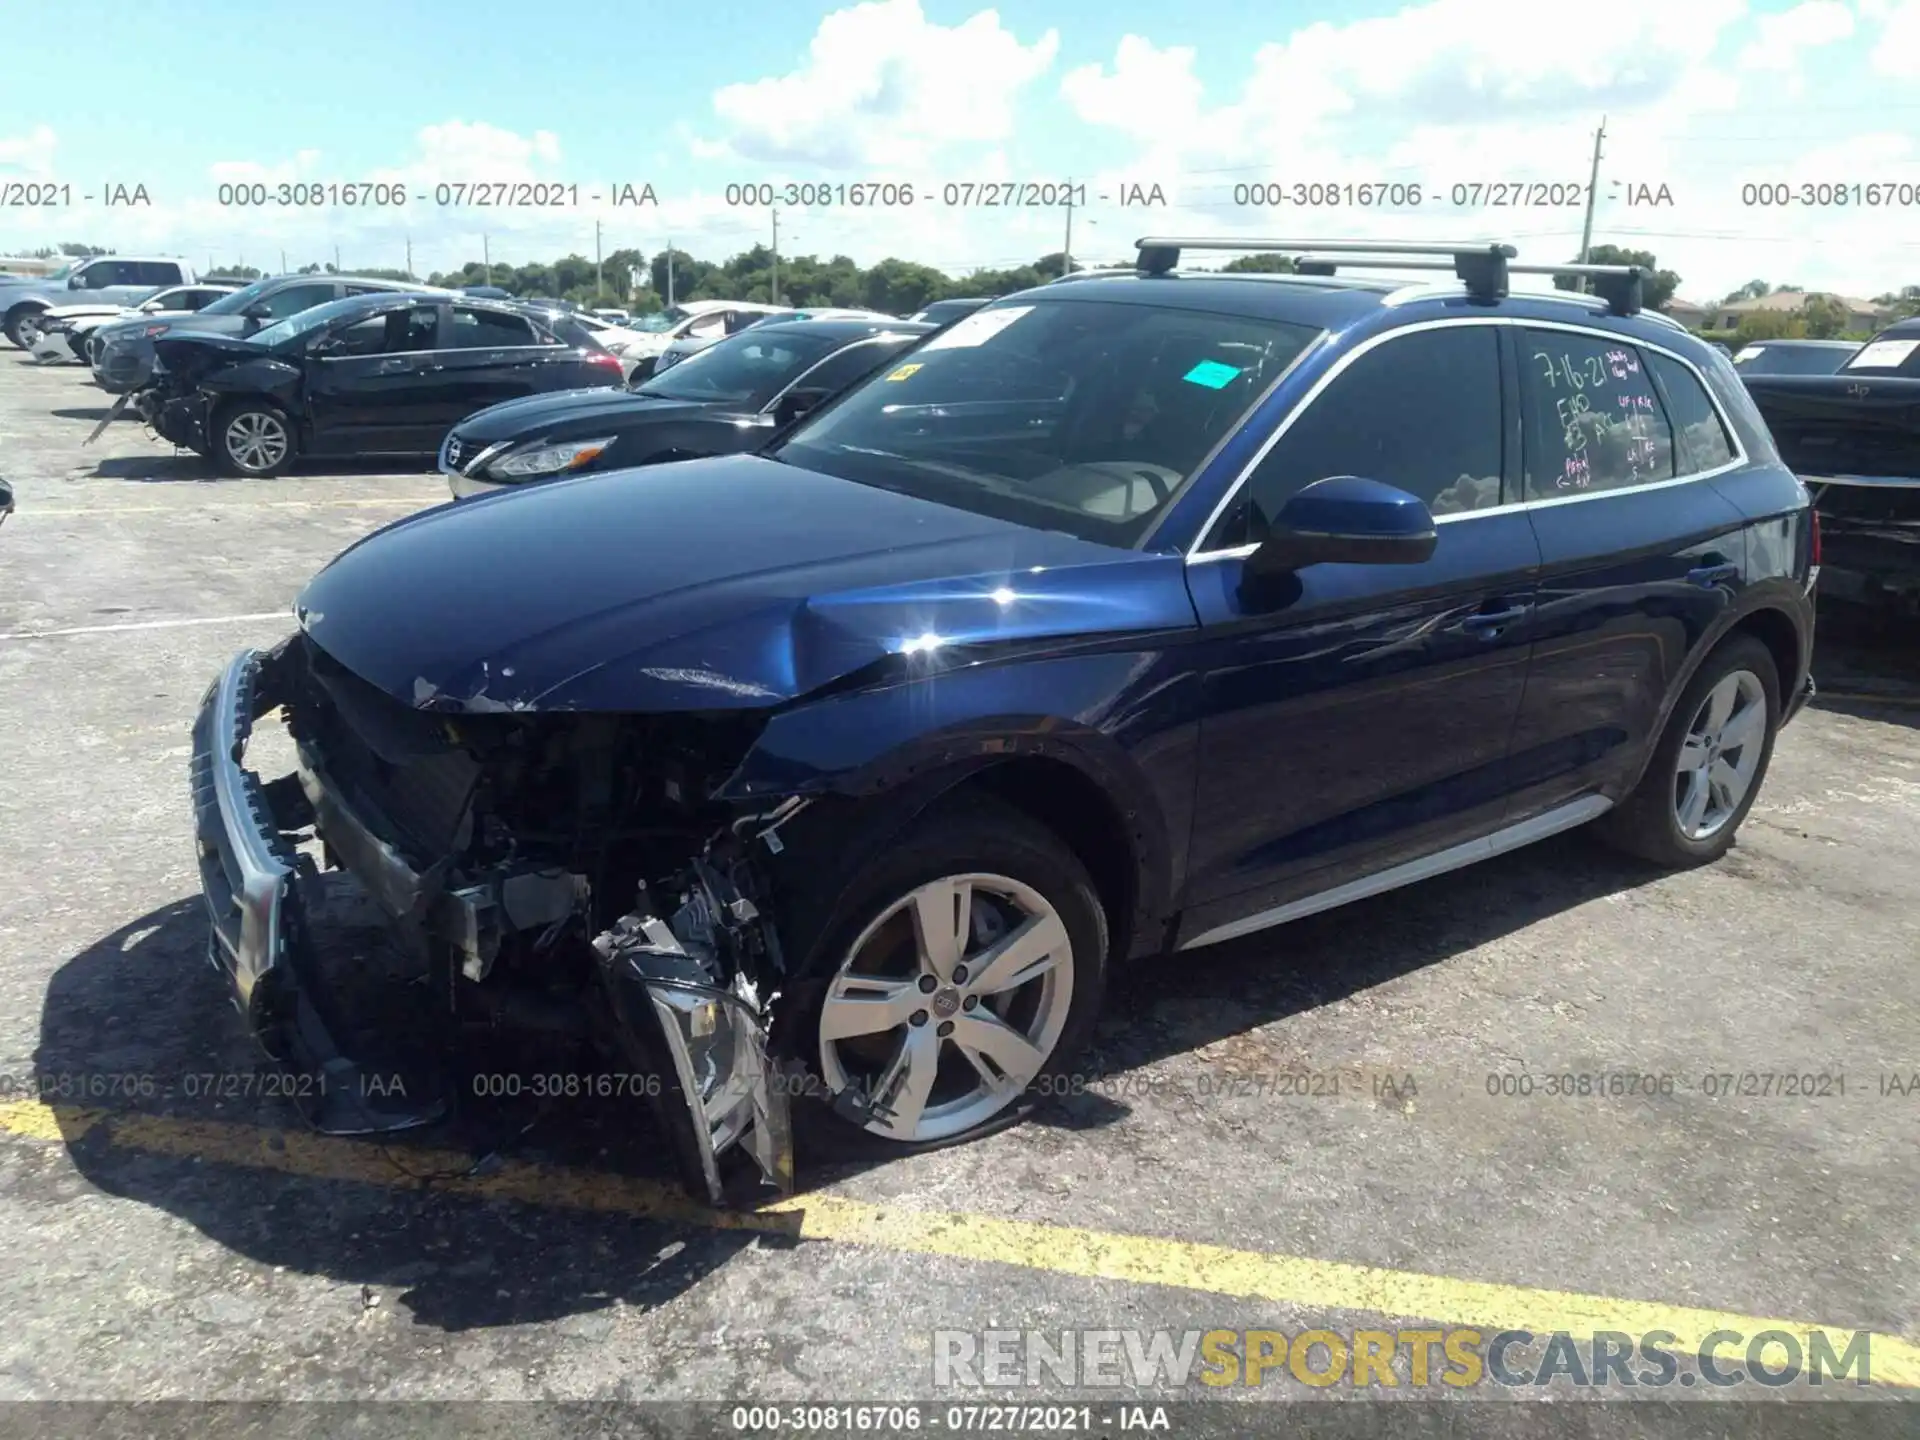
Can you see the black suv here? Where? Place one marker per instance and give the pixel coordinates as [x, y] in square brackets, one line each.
[123, 355]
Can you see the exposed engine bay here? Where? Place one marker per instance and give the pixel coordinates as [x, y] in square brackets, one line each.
[553, 873]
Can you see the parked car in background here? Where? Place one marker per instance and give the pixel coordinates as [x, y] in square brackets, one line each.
[1793, 357]
[65, 329]
[487, 292]
[123, 358]
[381, 374]
[693, 344]
[110, 279]
[729, 398]
[715, 318]
[613, 315]
[6, 499]
[1854, 437]
[945, 312]
[1124, 616]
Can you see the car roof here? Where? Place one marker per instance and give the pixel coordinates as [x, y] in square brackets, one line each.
[841, 329]
[1807, 344]
[402, 286]
[1324, 303]
[414, 296]
[1902, 329]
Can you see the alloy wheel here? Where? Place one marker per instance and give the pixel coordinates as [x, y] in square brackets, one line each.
[1720, 755]
[948, 1005]
[29, 329]
[256, 440]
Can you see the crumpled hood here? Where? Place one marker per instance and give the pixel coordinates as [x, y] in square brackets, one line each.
[733, 582]
[566, 415]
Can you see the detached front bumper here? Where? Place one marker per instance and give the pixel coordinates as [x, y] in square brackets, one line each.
[251, 880]
[705, 1041]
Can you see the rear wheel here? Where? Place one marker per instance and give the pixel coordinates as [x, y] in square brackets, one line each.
[970, 968]
[1706, 771]
[252, 438]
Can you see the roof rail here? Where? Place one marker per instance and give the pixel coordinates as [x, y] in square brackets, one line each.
[1480, 264]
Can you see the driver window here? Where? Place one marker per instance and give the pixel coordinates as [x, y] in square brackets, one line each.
[1420, 411]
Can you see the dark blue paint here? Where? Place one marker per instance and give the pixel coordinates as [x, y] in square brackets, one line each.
[1261, 734]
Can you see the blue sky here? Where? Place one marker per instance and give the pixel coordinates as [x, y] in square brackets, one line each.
[1701, 96]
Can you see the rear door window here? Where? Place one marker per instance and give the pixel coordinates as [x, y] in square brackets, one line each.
[476, 329]
[1592, 421]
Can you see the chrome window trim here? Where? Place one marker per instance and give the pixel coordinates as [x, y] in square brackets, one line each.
[1740, 456]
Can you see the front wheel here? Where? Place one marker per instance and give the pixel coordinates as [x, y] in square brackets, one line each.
[253, 439]
[1706, 771]
[23, 327]
[969, 971]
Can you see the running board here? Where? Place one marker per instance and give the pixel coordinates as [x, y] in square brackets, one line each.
[1550, 822]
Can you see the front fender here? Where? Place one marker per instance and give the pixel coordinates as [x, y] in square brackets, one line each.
[274, 379]
[1125, 720]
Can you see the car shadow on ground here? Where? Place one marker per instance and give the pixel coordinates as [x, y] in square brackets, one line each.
[141, 1016]
[184, 465]
[1866, 663]
[83, 412]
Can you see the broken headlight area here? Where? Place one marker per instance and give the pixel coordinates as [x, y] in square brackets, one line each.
[555, 876]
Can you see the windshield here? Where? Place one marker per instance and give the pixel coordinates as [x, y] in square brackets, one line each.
[239, 300]
[1792, 359]
[312, 318]
[63, 272]
[660, 320]
[1082, 416]
[748, 369]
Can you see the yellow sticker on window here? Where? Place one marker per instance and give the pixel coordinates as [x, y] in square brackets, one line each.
[904, 372]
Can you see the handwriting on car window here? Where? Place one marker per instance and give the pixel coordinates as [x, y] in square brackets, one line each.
[1611, 430]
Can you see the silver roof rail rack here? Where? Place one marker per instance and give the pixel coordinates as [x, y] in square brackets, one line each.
[1480, 264]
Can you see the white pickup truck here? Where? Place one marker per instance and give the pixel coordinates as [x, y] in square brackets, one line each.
[108, 279]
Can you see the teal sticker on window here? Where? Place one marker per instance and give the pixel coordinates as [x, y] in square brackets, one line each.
[1212, 374]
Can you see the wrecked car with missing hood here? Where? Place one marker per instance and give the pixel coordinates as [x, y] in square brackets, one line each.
[1113, 620]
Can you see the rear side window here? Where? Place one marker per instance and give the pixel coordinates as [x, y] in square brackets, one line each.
[490, 329]
[1419, 411]
[1697, 427]
[1592, 420]
[158, 272]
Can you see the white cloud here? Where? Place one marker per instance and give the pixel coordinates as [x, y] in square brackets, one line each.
[1898, 52]
[31, 152]
[1149, 91]
[1785, 38]
[883, 87]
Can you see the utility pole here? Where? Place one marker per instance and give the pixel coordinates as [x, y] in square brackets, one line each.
[409, 257]
[1066, 254]
[776, 256]
[669, 272]
[336, 259]
[1593, 190]
[283, 262]
[599, 290]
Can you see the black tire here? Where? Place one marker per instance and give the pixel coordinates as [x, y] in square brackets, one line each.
[15, 318]
[1647, 823]
[967, 835]
[238, 416]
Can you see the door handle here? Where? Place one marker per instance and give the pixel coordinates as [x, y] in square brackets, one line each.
[1708, 576]
[1488, 623]
[389, 367]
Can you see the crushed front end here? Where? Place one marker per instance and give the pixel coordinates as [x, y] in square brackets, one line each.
[553, 872]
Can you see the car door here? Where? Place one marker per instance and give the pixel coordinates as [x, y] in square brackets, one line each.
[1639, 555]
[371, 384]
[113, 282]
[1360, 717]
[487, 356]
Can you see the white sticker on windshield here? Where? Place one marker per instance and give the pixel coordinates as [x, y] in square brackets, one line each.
[1748, 352]
[977, 328]
[1883, 354]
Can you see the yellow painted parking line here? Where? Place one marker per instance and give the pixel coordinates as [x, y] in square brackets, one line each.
[1317, 1285]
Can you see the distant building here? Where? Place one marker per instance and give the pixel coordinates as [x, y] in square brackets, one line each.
[1693, 316]
[1861, 314]
[32, 264]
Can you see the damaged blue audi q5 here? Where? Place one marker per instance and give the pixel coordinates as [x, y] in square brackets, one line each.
[1129, 614]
